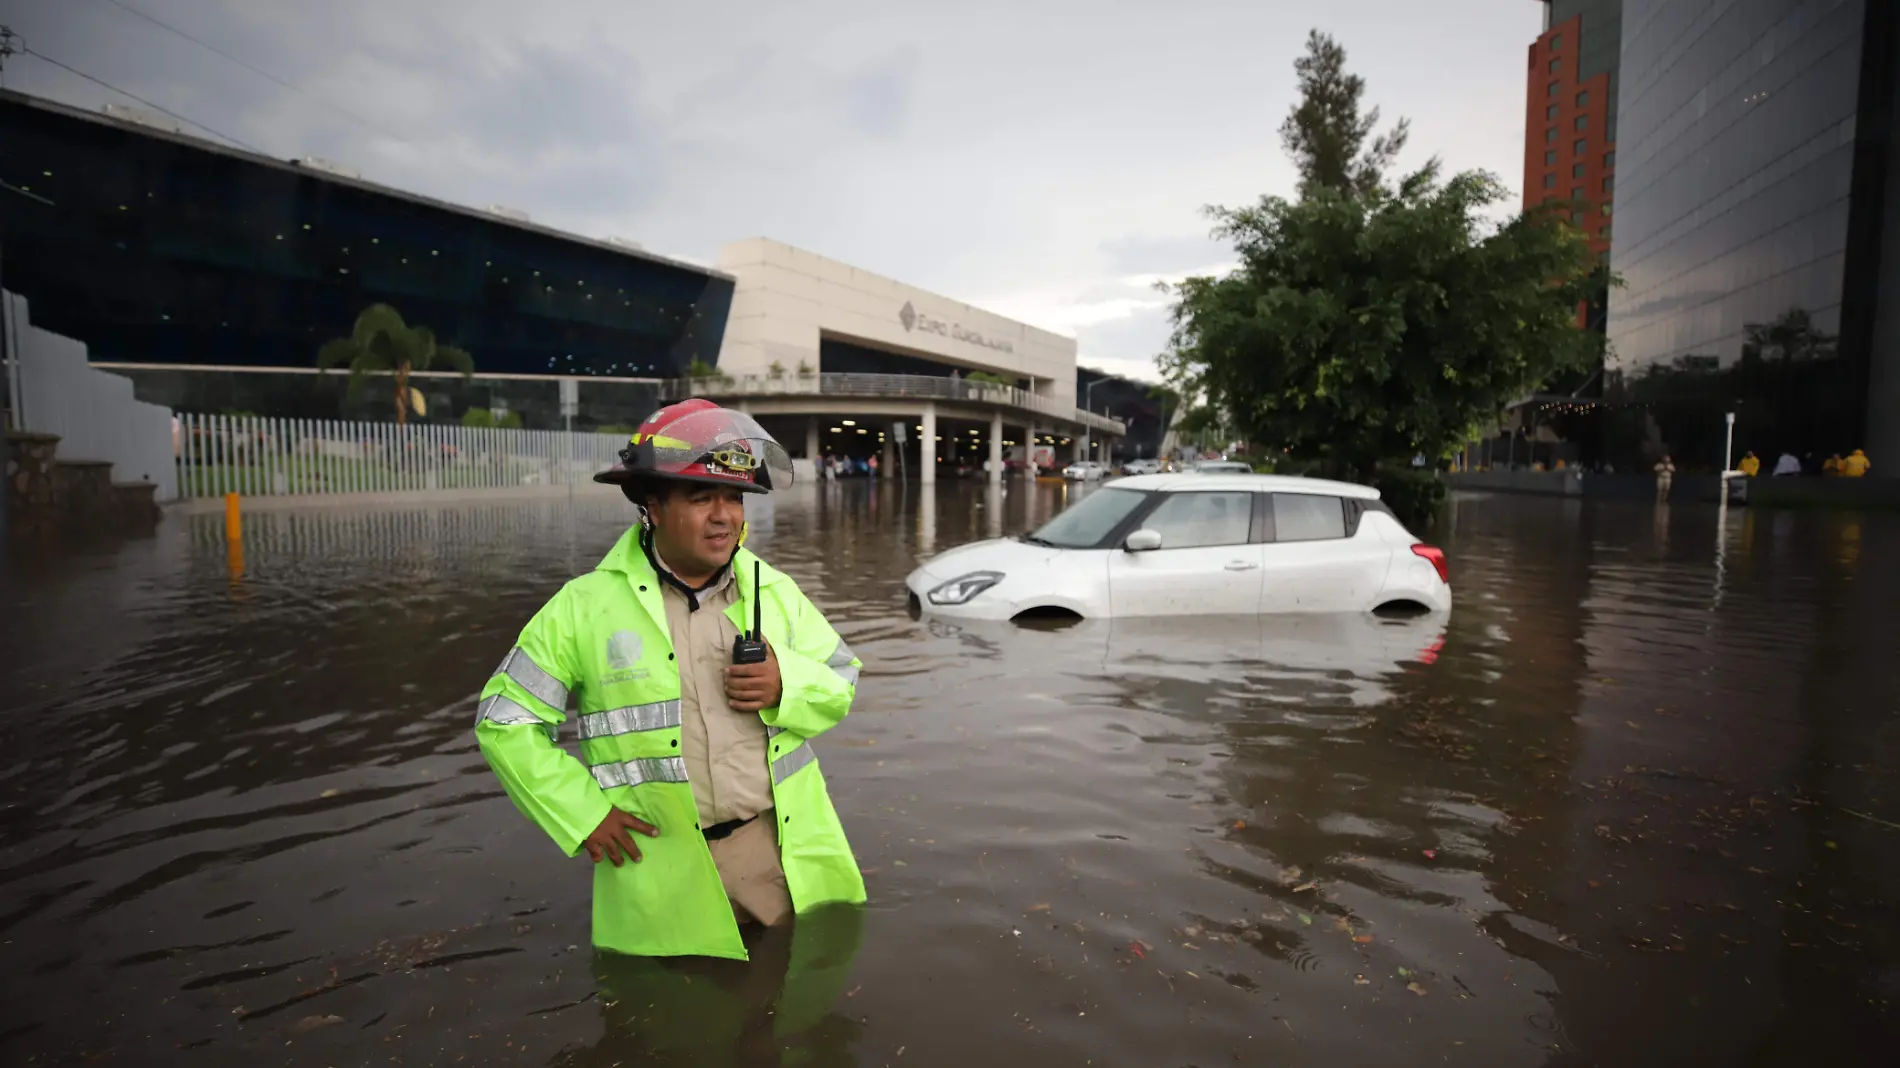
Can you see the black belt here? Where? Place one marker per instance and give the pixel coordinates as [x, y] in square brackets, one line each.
[721, 830]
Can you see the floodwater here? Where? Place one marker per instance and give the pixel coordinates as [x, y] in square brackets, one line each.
[1634, 803]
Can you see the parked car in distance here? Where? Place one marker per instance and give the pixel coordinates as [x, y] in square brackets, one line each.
[1214, 544]
[1085, 471]
[1149, 466]
[1222, 467]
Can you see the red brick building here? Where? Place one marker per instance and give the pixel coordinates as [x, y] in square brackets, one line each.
[1570, 118]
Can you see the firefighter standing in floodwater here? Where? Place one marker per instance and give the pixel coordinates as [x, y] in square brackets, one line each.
[700, 802]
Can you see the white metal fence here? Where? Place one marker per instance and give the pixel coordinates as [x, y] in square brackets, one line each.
[255, 456]
[93, 412]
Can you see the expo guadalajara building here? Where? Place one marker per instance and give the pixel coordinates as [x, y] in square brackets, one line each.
[211, 276]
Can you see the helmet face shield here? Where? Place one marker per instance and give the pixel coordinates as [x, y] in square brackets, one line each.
[720, 444]
[696, 441]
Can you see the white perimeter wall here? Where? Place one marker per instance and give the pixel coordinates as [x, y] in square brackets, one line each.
[93, 412]
[786, 296]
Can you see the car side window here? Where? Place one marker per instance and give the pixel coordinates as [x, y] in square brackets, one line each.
[1307, 517]
[1196, 519]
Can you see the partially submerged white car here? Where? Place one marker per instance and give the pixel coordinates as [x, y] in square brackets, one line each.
[1215, 544]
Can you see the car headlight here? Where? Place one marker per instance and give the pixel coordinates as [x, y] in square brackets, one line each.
[959, 590]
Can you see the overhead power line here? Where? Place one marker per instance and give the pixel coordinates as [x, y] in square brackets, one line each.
[169, 28]
[247, 65]
[134, 96]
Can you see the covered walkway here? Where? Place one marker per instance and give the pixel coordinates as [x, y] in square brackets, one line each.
[946, 423]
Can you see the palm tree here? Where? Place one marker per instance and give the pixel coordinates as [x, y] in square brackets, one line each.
[381, 343]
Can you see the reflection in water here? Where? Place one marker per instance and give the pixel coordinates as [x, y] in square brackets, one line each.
[1629, 805]
[782, 1006]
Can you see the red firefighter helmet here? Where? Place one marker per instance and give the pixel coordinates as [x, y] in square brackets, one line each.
[698, 441]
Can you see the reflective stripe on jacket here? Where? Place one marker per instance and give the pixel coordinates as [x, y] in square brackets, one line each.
[601, 644]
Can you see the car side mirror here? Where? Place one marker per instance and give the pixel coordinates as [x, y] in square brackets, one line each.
[1143, 541]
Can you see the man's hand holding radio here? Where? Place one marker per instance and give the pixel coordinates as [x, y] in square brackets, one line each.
[751, 687]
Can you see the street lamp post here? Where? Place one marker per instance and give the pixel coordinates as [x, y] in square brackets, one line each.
[1088, 432]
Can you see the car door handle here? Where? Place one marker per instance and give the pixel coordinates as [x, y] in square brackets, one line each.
[1240, 565]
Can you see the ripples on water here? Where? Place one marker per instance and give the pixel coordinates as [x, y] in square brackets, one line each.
[1626, 807]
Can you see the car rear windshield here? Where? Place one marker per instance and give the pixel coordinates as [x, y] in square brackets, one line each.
[1086, 523]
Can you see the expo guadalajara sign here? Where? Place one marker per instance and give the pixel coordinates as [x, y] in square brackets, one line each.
[916, 320]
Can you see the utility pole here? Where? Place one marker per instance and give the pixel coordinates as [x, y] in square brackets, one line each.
[10, 46]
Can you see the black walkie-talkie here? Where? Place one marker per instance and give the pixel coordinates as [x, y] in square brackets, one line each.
[750, 648]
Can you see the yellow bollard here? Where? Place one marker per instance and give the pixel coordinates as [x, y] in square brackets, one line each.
[233, 539]
[234, 562]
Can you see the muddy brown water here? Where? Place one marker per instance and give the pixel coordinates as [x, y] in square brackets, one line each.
[1634, 803]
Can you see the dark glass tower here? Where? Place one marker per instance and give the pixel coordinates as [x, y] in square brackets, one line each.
[1757, 231]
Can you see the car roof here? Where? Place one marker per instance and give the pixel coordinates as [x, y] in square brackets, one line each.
[1250, 483]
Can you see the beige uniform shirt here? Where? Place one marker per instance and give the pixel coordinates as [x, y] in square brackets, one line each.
[724, 750]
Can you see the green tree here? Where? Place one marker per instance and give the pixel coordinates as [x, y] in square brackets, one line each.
[1170, 401]
[1325, 133]
[381, 343]
[478, 417]
[1199, 421]
[1369, 321]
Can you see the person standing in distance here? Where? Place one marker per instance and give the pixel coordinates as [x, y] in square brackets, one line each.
[699, 799]
[1665, 474]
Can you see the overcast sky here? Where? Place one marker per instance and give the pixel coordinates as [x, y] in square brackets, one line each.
[1043, 159]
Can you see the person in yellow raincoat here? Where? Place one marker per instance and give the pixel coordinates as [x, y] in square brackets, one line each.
[698, 794]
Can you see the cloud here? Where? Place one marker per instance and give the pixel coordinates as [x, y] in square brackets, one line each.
[1120, 324]
[878, 99]
[1147, 253]
[1126, 346]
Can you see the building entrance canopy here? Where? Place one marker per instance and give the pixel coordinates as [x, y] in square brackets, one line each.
[793, 394]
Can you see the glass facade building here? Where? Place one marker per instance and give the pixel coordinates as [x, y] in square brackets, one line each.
[201, 267]
[1754, 197]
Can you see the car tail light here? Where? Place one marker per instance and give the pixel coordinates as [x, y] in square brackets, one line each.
[1437, 557]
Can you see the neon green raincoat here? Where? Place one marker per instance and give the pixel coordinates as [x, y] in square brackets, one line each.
[603, 641]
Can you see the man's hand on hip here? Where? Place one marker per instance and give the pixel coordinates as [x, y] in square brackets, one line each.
[615, 835]
[751, 687]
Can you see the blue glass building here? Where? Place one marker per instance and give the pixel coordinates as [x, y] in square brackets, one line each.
[211, 277]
